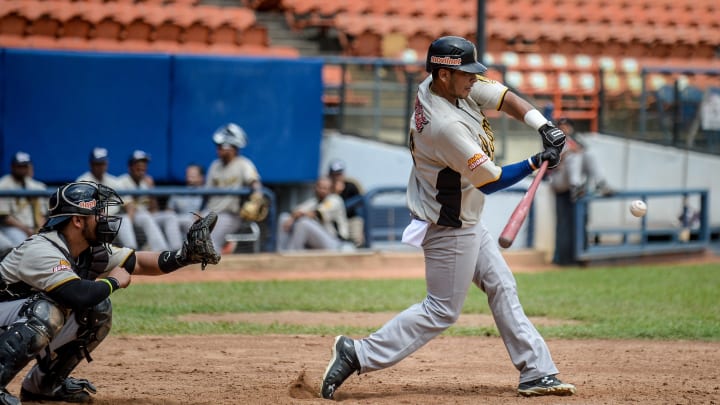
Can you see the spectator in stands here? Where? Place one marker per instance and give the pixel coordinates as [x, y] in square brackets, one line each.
[230, 170]
[351, 193]
[577, 175]
[20, 217]
[319, 222]
[99, 160]
[184, 206]
[160, 227]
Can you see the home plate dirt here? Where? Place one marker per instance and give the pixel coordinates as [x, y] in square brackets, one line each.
[287, 369]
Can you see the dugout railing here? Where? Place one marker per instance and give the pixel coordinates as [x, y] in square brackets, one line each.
[670, 230]
[268, 226]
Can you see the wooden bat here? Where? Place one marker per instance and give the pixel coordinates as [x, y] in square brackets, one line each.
[507, 237]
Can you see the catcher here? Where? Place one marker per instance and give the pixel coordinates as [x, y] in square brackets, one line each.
[55, 289]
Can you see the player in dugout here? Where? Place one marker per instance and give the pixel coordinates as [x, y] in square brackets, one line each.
[55, 290]
[452, 146]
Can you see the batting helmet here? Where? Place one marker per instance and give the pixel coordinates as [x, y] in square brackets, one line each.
[85, 198]
[453, 53]
[230, 134]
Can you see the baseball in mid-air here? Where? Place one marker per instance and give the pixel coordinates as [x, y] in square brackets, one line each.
[638, 208]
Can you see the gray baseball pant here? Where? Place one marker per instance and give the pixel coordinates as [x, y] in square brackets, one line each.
[455, 257]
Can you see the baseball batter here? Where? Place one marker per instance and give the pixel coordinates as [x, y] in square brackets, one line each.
[55, 288]
[452, 146]
[230, 170]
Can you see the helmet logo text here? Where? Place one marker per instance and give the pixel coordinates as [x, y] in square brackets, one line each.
[87, 204]
[446, 60]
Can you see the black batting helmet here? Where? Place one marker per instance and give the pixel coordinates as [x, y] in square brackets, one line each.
[453, 53]
[85, 198]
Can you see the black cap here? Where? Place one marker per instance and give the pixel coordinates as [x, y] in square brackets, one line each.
[98, 155]
[21, 158]
[336, 166]
[138, 156]
[453, 53]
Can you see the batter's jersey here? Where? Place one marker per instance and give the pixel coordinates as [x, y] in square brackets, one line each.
[28, 210]
[453, 150]
[42, 263]
[239, 173]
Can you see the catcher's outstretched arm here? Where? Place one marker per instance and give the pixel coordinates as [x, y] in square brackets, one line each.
[197, 248]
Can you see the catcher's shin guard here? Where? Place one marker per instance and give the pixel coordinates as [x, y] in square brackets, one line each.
[22, 341]
[95, 324]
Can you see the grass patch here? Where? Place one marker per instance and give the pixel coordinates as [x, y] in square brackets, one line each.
[659, 302]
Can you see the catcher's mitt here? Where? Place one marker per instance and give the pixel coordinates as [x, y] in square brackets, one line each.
[198, 247]
[256, 208]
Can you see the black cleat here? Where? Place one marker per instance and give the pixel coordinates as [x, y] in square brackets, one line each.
[548, 385]
[343, 363]
[75, 390]
[7, 398]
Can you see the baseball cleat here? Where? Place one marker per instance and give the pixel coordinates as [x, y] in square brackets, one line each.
[75, 390]
[7, 398]
[548, 385]
[344, 362]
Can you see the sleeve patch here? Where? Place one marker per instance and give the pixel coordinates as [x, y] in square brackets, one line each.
[476, 160]
[63, 265]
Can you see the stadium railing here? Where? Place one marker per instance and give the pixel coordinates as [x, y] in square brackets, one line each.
[643, 236]
[268, 239]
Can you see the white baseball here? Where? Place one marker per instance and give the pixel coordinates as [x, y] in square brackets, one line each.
[638, 208]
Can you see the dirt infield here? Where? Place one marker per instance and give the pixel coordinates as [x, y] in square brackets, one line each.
[286, 369]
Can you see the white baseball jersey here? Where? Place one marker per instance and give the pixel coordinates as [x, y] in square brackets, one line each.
[453, 150]
[38, 265]
[30, 211]
[332, 214]
[126, 182]
[239, 173]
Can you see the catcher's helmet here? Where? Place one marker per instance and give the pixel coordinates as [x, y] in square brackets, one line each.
[85, 198]
[453, 53]
[230, 134]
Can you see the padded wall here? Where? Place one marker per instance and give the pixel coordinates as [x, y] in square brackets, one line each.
[277, 102]
[59, 105]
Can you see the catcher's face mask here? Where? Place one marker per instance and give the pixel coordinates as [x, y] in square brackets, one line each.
[86, 199]
[107, 225]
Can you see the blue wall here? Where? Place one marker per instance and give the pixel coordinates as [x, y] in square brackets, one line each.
[58, 105]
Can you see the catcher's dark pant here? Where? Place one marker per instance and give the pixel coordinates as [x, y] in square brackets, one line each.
[37, 327]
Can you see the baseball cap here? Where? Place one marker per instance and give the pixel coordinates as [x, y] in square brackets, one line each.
[336, 166]
[138, 155]
[21, 158]
[99, 155]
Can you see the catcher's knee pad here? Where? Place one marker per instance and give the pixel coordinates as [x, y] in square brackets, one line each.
[24, 340]
[95, 322]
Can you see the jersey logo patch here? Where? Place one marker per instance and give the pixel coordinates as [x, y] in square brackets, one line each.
[476, 160]
[420, 119]
[64, 265]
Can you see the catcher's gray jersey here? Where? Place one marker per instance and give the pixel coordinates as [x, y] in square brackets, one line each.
[38, 264]
[452, 148]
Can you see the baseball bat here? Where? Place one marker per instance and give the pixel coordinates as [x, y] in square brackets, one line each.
[508, 234]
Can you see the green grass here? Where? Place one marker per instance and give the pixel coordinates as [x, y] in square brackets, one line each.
[660, 302]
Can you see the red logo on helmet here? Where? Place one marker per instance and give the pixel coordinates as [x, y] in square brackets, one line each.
[446, 60]
[88, 204]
